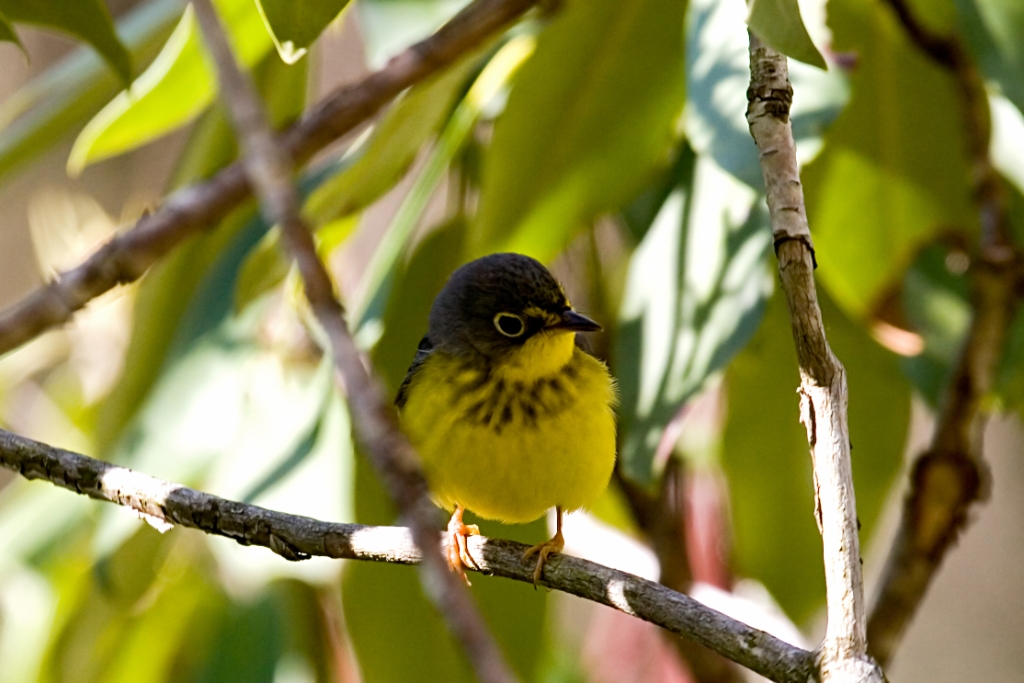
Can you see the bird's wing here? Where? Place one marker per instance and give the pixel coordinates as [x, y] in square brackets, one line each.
[422, 351]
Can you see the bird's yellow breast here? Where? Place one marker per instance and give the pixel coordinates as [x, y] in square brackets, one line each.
[511, 440]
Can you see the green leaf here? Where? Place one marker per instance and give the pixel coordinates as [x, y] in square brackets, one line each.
[40, 113]
[35, 518]
[408, 309]
[284, 88]
[148, 640]
[641, 214]
[265, 267]
[994, 30]
[177, 86]
[396, 141]
[382, 267]
[295, 24]
[936, 305]
[88, 20]
[882, 188]
[398, 636]
[248, 644]
[129, 611]
[694, 294]
[588, 120]
[766, 456]
[779, 24]
[8, 34]
[1010, 384]
[1010, 380]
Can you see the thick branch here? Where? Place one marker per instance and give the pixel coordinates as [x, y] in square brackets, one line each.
[191, 210]
[270, 172]
[823, 394]
[298, 538]
[947, 478]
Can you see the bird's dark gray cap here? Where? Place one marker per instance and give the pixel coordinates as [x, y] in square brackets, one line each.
[462, 314]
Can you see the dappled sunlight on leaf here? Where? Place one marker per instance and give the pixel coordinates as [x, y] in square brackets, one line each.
[694, 296]
[717, 74]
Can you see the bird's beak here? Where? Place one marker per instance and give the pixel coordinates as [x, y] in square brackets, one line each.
[577, 322]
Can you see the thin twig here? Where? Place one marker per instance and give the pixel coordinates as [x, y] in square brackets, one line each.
[271, 175]
[823, 393]
[298, 538]
[200, 207]
[948, 477]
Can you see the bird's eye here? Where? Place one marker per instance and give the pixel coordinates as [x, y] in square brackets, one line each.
[509, 324]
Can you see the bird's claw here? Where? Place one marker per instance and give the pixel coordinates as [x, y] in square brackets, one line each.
[542, 550]
[458, 547]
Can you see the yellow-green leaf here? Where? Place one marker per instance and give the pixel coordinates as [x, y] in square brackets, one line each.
[173, 90]
[394, 145]
[589, 117]
[994, 30]
[88, 20]
[8, 34]
[41, 113]
[883, 186]
[779, 24]
[295, 24]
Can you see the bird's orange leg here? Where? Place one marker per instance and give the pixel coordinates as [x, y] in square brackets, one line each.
[542, 550]
[458, 550]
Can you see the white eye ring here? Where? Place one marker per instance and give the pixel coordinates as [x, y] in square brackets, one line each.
[510, 319]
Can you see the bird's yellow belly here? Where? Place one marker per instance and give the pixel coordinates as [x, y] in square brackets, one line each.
[510, 447]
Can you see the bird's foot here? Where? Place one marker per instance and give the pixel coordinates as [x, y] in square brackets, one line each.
[458, 548]
[554, 545]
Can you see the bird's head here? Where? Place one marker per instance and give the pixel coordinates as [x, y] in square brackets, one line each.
[509, 308]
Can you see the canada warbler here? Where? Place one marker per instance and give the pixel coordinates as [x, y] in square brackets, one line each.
[509, 413]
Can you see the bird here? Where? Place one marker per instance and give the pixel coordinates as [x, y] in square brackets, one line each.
[509, 412]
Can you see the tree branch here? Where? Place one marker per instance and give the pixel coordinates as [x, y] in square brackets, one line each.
[193, 209]
[298, 538]
[270, 172]
[947, 478]
[823, 393]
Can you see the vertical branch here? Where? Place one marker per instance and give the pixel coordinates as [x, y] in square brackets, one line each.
[269, 169]
[948, 477]
[823, 395]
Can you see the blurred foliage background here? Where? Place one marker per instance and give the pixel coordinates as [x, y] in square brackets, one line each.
[605, 138]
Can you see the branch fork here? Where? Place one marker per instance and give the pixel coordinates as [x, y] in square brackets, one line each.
[842, 655]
